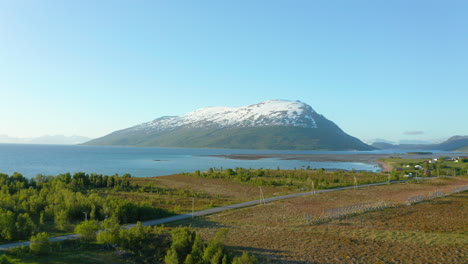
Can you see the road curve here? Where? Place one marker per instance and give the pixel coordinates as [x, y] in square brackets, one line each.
[202, 212]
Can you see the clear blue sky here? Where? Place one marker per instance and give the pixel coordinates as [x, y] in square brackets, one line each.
[379, 69]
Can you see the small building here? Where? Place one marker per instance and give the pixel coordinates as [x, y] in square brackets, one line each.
[409, 175]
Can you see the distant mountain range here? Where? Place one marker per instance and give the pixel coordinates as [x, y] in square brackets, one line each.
[47, 139]
[455, 143]
[274, 124]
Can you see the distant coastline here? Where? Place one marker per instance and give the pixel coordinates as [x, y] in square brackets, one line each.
[373, 159]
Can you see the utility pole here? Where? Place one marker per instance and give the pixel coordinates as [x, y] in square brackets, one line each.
[355, 182]
[313, 187]
[86, 216]
[262, 198]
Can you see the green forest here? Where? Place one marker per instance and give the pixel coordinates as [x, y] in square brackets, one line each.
[56, 204]
[38, 208]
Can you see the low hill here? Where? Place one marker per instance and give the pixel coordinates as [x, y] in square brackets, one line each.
[456, 143]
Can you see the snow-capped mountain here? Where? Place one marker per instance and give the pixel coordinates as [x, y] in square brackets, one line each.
[268, 113]
[273, 124]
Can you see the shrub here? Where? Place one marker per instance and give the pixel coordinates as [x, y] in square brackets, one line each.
[111, 232]
[215, 251]
[245, 259]
[87, 230]
[40, 244]
[5, 260]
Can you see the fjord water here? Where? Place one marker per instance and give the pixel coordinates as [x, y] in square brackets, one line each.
[31, 160]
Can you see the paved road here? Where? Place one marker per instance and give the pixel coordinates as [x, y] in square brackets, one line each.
[200, 213]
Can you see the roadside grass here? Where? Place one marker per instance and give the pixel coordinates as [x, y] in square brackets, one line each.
[83, 257]
[69, 253]
[51, 230]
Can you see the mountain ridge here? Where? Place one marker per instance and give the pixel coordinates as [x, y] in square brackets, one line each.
[273, 124]
[452, 144]
[272, 112]
[46, 139]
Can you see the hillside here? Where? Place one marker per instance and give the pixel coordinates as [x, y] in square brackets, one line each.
[456, 143]
[274, 124]
[464, 149]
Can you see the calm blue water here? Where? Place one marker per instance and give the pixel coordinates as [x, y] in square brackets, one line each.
[31, 160]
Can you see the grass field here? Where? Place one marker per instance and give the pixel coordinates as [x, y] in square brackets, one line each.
[175, 192]
[429, 232]
[444, 168]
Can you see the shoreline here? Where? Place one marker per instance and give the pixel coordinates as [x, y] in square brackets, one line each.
[364, 158]
[374, 159]
[384, 166]
[371, 159]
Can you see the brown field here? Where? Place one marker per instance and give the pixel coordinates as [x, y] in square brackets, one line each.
[179, 190]
[433, 231]
[218, 187]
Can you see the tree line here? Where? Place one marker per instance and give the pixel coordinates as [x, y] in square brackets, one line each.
[303, 178]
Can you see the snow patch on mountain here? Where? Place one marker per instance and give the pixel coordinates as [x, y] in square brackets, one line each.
[268, 113]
